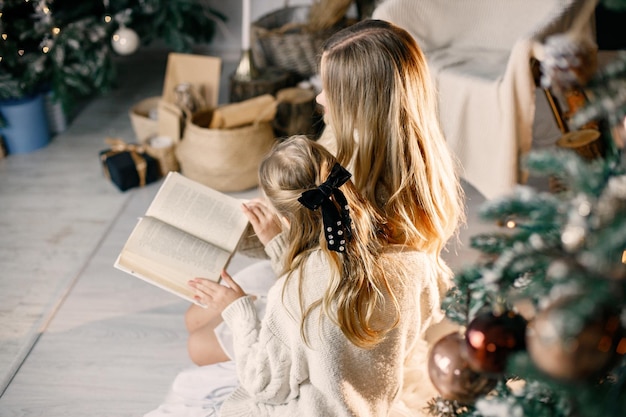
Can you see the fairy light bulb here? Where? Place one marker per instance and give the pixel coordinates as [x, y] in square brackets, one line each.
[107, 18]
[20, 52]
[56, 31]
[4, 36]
[510, 224]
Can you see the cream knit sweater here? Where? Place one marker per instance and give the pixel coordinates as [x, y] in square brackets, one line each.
[280, 375]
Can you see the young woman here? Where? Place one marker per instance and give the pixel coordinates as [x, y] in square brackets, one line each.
[349, 309]
[381, 108]
[382, 124]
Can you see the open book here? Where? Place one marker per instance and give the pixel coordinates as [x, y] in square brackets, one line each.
[189, 230]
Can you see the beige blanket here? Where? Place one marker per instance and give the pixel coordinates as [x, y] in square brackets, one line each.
[479, 53]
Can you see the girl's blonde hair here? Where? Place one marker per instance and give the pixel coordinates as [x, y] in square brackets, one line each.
[382, 108]
[358, 288]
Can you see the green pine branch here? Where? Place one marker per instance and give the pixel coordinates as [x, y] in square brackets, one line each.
[80, 62]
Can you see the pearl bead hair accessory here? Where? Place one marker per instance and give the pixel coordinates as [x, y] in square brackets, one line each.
[335, 209]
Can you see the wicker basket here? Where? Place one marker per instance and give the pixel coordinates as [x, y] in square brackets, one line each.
[224, 159]
[143, 124]
[163, 150]
[283, 40]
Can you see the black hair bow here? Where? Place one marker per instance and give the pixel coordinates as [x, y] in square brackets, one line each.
[337, 222]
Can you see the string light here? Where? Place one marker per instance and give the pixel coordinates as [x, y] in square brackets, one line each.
[511, 224]
[20, 52]
[624, 257]
[56, 31]
[107, 16]
[4, 36]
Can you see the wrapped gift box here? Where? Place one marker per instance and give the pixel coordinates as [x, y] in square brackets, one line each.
[129, 168]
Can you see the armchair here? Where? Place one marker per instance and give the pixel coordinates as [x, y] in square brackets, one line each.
[479, 52]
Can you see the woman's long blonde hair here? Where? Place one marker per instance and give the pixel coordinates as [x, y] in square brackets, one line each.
[381, 105]
[358, 288]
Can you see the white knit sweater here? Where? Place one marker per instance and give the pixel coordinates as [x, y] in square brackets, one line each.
[280, 375]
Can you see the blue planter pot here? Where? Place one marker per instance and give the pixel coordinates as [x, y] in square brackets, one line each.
[26, 124]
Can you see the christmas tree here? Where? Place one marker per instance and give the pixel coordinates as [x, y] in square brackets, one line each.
[68, 46]
[542, 313]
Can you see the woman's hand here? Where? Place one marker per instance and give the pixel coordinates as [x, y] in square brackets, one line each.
[215, 295]
[264, 221]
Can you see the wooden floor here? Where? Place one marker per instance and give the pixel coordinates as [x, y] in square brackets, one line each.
[77, 337]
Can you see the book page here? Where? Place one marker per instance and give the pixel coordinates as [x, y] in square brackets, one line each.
[153, 277]
[168, 257]
[199, 210]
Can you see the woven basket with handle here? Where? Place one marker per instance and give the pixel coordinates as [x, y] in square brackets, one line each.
[224, 159]
[288, 39]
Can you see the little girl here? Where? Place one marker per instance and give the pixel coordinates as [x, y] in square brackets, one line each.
[348, 310]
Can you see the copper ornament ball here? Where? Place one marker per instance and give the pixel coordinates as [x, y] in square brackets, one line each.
[491, 338]
[450, 373]
[586, 355]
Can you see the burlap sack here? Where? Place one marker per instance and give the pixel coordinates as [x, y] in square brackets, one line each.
[224, 159]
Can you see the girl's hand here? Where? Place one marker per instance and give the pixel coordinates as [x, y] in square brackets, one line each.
[215, 295]
[264, 221]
